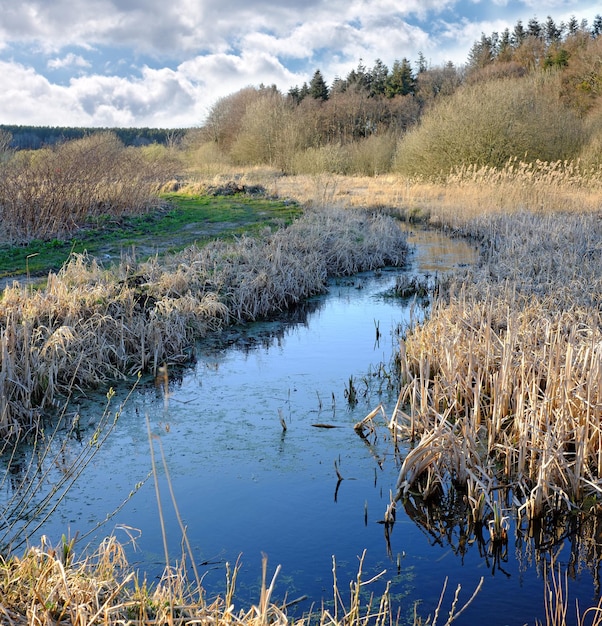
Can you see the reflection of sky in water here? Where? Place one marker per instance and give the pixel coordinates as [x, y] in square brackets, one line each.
[243, 486]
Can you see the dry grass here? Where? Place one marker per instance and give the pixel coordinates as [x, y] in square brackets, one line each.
[469, 193]
[91, 324]
[49, 586]
[50, 193]
[503, 382]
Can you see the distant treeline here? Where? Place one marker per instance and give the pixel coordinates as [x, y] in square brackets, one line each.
[34, 137]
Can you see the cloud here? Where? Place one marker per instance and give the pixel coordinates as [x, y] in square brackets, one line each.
[70, 60]
[157, 63]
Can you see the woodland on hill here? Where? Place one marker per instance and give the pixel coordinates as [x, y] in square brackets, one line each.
[530, 93]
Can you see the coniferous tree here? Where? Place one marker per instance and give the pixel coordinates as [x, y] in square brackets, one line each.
[504, 48]
[401, 81]
[597, 26]
[482, 53]
[294, 94]
[421, 64]
[359, 79]
[552, 32]
[572, 26]
[534, 28]
[519, 34]
[318, 89]
[378, 79]
[304, 91]
[338, 85]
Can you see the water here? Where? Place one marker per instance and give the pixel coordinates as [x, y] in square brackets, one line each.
[245, 487]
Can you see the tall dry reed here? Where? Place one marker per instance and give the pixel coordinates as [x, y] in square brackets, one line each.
[504, 380]
[91, 324]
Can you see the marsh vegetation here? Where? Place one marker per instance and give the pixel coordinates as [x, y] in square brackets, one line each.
[497, 423]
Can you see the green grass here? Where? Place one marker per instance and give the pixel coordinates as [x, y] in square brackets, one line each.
[181, 221]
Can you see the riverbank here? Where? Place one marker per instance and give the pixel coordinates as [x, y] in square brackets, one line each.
[91, 323]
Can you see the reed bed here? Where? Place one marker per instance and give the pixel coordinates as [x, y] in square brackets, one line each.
[503, 381]
[91, 324]
[505, 397]
[468, 193]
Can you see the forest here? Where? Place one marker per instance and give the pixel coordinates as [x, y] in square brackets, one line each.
[530, 93]
[34, 137]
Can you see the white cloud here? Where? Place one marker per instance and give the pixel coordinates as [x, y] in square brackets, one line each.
[70, 60]
[201, 50]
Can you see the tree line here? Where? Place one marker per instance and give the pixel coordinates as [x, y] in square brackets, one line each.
[542, 80]
[34, 137]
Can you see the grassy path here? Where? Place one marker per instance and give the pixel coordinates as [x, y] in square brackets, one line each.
[181, 220]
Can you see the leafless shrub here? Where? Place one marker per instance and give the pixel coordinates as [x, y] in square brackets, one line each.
[51, 192]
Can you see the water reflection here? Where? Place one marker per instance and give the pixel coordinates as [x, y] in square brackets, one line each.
[267, 455]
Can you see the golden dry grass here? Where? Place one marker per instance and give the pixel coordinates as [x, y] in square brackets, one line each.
[91, 324]
[48, 586]
[503, 382]
[469, 193]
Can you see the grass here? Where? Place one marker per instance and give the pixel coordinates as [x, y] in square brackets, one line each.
[90, 324]
[182, 219]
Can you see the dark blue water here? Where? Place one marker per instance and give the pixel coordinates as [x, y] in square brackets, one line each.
[244, 486]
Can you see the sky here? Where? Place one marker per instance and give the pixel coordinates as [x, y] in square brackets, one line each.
[165, 63]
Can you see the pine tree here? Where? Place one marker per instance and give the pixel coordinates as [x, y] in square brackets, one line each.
[482, 53]
[379, 76]
[421, 64]
[572, 26]
[519, 34]
[552, 32]
[534, 28]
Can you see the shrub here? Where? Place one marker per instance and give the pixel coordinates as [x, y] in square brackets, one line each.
[331, 158]
[49, 193]
[372, 156]
[489, 123]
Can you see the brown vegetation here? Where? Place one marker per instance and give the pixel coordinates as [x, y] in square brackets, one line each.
[91, 324]
[50, 193]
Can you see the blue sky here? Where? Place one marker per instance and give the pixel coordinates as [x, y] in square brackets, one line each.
[164, 63]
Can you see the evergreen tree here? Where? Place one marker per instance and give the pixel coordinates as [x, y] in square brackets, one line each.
[304, 91]
[572, 26]
[294, 94]
[534, 28]
[401, 81]
[519, 34]
[378, 78]
[504, 48]
[552, 32]
[421, 64]
[482, 53]
[318, 89]
[597, 26]
[359, 79]
[338, 85]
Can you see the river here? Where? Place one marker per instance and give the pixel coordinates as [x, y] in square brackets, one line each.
[258, 442]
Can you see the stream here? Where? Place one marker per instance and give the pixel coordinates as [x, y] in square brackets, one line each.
[257, 440]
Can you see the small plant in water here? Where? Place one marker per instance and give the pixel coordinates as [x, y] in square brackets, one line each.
[498, 526]
[351, 393]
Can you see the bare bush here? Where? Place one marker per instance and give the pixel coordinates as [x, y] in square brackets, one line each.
[50, 193]
[487, 124]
